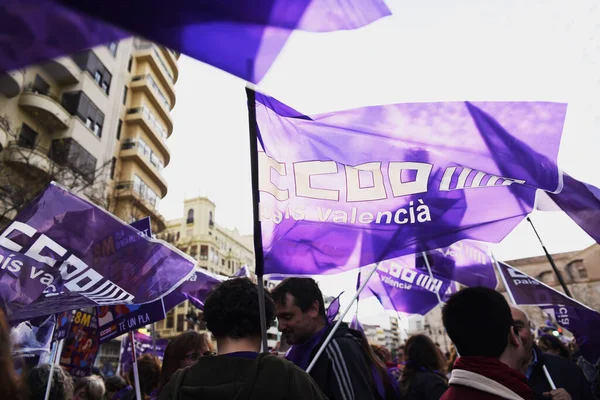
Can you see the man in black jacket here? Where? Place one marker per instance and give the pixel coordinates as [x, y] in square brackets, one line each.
[238, 371]
[569, 379]
[342, 370]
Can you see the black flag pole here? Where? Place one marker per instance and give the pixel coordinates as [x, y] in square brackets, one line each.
[258, 249]
[551, 260]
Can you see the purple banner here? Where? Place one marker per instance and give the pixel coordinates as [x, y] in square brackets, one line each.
[346, 189]
[143, 345]
[579, 319]
[82, 344]
[63, 253]
[239, 36]
[334, 309]
[117, 320]
[399, 286]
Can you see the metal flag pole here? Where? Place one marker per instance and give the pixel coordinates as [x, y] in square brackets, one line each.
[437, 292]
[258, 249]
[551, 260]
[53, 358]
[136, 374]
[339, 321]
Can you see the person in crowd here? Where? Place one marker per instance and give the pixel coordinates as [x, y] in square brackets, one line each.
[89, 388]
[381, 378]
[149, 375]
[567, 376]
[238, 371]
[423, 377]
[385, 356]
[479, 323]
[342, 370]
[114, 385]
[9, 381]
[184, 351]
[37, 381]
[552, 345]
[400, 357]
[451, 360]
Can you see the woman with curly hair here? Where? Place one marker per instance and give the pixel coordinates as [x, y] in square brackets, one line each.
[423, 377]
[149, 375]
[37, 381]
[553, 345]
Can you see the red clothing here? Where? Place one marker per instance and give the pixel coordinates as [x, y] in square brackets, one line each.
[484, 378]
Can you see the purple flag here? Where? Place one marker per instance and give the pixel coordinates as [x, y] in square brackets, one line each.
[239, 36]
[346, 189]
[143, 345]
[356, 325]
[243, 272]
[399, 286]
[333, 309]
[63, 253]
[81, 345]
[579, 319]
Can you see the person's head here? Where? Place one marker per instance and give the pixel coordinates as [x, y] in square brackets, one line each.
[231, 312]
[37, 381]
[382, 353]
[299, 308]
[553, 345]
[525, 328]
[400, 355]
[89, 388]
[149, 373]
[113, 385]
[422, 355]
[9, 381]
[479, 323]
[184, 351]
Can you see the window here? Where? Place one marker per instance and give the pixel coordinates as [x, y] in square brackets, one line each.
[576, 270]
[222, 262]
[180, 320]
[27, 137]
[194, 251]
[40, 86]
[204, 252]
[228, 264]
[210, 219]
[98, 130]
[89, 123]
[112, 168]
[190, 216]
[69, 152]
[129, 64]
[98, 77]
[112, 47]
[125, 95]
[177, 236]
[170, 320]
[89, 61]
[104, 87]
[119, 126]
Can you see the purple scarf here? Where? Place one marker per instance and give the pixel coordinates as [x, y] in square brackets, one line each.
[299, 354]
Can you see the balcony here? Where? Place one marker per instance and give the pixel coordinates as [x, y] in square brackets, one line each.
[132, 152]
[4, 133]
[143, 117]
[63, 70]
[31, 156]
[45, 108]
[171, 58]
[147, 84]
[125, 190]
[11, 83]
[149, 53]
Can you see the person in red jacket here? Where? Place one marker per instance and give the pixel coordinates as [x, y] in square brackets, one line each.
[479, 322]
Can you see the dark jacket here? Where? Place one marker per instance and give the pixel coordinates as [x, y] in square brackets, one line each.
[232, 378]
[425, 385]
[564, 373]
[342, 370]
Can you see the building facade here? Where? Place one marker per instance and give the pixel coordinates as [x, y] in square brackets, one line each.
[96, 122]
[387, 337]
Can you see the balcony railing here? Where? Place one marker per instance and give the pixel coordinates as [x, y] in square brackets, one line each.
[151, 119]
[155, 88]
[148, 155]
[129, 185]
[143, 45]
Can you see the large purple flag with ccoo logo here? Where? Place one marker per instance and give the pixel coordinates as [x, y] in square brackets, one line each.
[578, 318]
[242, 37]
[63, 253]
[349, 188]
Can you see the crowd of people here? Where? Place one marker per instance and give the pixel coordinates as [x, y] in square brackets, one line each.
[494, 355]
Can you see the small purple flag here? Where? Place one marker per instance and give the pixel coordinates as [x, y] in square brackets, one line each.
[333, 309]
[243, 272]
[63, 253]
[350, 188]
[143, 345]
[356, 325]
[572, 315]
[239, 36]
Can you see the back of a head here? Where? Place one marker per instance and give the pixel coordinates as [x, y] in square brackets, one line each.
[37, 380]
[90, 388]
[231, 310]
[149, 373]
[304, 290]
[549, 343]
[177, 350]
[478, 321]
[114, 384]
[421, 354]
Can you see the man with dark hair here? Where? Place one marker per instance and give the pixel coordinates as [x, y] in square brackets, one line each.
[479, 322]
[342, 371]
[569, 379]
[238, 371]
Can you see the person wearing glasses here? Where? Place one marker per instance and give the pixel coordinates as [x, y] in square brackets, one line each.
[568, 378]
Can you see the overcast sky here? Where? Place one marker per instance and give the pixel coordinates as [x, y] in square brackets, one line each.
[426, 51]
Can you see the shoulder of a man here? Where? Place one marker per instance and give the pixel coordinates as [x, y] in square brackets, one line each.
[565, 374]
[458, 392]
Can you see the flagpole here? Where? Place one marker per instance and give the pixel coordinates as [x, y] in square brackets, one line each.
[258, 249]
[153, 331]
[136, 374]
[55, 348]
[437, 292]
[551, 260]
[339, 321]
